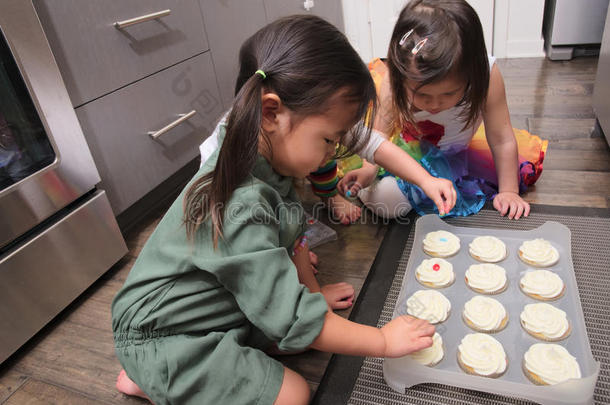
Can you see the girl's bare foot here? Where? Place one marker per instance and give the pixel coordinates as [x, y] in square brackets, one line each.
[128, 387]
[343, 210]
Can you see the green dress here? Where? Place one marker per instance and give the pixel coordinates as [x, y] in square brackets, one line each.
[191, 322]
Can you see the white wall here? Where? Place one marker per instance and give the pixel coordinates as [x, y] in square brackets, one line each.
[512, 28]
[518, 28]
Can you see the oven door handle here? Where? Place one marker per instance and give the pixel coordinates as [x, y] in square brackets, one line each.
[180, 120]
[137, 20]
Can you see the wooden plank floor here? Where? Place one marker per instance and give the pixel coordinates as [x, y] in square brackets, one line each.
[72, 360]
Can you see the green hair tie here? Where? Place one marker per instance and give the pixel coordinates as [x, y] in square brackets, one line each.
[260, 72]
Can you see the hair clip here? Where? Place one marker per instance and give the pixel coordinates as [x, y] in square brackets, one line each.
[419, 46]
[404, 37]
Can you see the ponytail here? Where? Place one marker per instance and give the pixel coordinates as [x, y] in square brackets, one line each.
[208, 195]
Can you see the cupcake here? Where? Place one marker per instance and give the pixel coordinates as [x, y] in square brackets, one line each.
[430, 305]
[435, 273]
[538, 253]
[482, 355]
[488, 249]
[432, 355]
[441, 244]
[545, 322]
[549, 363]
[486, 278]
[542, 285]
[485, 314]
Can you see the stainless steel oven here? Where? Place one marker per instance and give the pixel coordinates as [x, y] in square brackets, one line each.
[57, 231]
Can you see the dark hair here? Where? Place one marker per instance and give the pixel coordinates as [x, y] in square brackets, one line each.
[454, 44]
[306, 61]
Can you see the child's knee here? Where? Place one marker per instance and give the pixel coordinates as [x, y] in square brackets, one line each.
[294, 389]
[385, 198]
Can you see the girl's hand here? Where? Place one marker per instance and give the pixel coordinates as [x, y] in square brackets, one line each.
[339, 295]
[440, 191]
[358, 179]
[511, 203]
[405, 335]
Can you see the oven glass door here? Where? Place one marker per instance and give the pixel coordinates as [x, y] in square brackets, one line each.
[24, 145]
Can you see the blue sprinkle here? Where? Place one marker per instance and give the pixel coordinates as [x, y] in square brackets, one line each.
[443, 240]
[349, 193]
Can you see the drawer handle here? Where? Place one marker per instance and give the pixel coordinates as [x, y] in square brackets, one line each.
[126, 23]
[183, 117]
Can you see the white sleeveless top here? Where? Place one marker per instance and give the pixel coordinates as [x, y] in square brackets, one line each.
[450, 124]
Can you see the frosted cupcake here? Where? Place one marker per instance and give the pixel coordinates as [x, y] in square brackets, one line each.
[480, 354]
[485, 314]
[542, 285]
[488, 249]
[430, 305]
[548, 364]
[545, 322]
[432, 355]
[486, 278]
[538, 252]
[441, 244]
[435, 273]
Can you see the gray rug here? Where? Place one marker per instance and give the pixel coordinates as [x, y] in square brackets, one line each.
[360, 381]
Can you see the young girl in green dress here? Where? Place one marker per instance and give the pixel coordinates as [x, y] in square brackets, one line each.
[223, 280]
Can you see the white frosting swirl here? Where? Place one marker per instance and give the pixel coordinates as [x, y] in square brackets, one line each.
[486, 277]
[551, 362]
[441, 243]
[436, 272]
[430, 305]
[545, 319]
[430, 355]
[484, 313]
[488, 249]
[544, 283]
[539, 252]
[484, 354]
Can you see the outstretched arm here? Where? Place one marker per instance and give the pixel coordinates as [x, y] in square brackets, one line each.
[501, 140]
[401, 164]
[399, 337]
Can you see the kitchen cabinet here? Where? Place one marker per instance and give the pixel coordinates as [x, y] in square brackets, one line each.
[134, 67]
[228, 24]
[96, 58]
[131, 161]
[330, 10]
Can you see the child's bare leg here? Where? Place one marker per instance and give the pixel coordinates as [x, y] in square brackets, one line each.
[294, 390]
[128, 387]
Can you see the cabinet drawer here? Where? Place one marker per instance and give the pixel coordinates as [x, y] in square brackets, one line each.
[96, 58]
[131, 163]
[249, 16]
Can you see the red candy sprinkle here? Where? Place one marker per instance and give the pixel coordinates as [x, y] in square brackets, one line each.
[436, 267]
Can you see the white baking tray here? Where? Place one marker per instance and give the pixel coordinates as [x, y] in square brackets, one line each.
[404, 372]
